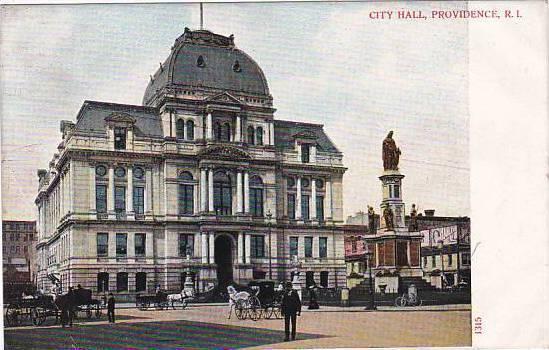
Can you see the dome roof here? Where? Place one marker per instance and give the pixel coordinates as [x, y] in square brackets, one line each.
[203, 59]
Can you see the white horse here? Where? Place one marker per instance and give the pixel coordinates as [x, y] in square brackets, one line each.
[234, 297]
[182, 297]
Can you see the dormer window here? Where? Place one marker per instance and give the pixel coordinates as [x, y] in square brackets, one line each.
[200, 62]
[236, 67]
[119, 138]
[305, 153]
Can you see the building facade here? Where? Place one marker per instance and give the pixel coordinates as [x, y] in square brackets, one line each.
[18, 254]
[200, 180]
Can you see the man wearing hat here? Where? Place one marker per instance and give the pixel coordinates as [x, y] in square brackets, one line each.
[291, 308]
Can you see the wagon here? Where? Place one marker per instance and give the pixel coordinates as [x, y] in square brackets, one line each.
[159, 300]
[33, 308]
[264, 301]
[85, 303]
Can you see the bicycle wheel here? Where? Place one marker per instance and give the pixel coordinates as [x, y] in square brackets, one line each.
[400, 301]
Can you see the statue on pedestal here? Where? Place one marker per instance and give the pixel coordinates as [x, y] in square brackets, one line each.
[391, 153]
[412, 227]
[388, 216]
[371, 220]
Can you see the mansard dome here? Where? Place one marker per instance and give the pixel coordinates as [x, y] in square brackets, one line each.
[202, 59]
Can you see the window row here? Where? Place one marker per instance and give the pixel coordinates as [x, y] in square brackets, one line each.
[305, 183]
[305, 208]
[255, 135]
[308, 248]
[448, 259]
[138, 198]
[310, 279]
[17, 236]
[121, 282]
[14, 249]
[121, 244]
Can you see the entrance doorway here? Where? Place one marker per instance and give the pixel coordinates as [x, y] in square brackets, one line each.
[224, 260]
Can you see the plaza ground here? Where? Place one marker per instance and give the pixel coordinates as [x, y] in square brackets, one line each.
[207, 326]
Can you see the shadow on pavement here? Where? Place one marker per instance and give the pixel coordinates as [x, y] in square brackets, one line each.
[157, 335]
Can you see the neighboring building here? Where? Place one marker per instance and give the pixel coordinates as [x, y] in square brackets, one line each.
[140, 196]
[18, 254]
[445, 240]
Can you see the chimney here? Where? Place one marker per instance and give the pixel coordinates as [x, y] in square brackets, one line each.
[429, 212]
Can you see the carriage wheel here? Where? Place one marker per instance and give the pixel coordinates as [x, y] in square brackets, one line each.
[13, 315]
[268, 312]
[254, 308]
[277, 311]
[38, 316]
[400, 301]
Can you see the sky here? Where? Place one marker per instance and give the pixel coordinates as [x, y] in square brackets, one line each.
[325, 63]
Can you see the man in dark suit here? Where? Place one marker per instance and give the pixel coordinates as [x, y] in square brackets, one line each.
[110, 308]
[291, 308]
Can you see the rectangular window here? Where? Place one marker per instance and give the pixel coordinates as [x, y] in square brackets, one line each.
[308, 247]
[119, 138]
[320, 208]
[465, 258]
[258, 246]
[140, 281]
[353, 246]
[305, 207]
[101, 198]
[119, 199]
[309, 278]
[121, 244]
[305, 153]
[424, 261]
[186, 244]
[433, 261]
[397, 191]
[186, 199]
[256, 201]
[294, 245]
[291, 206]
[140, 244]
[121, 282]
[324, 279]
[450, 259]
[323, 247]
[138, 200]
[102, 244]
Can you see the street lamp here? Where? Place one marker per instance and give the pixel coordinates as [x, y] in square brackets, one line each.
[269, 216]
[368, 254]
[440, 247]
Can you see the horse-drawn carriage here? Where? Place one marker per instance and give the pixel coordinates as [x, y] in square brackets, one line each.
[261, 300]
[162, 300]
[83, 302]
[33, 308]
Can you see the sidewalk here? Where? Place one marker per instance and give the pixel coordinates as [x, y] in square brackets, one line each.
[450, 307]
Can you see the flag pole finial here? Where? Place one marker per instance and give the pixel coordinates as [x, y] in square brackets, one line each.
[201, 17]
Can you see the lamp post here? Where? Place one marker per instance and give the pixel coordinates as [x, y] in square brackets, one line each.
[368, 254]
[440, 247]
[269, 216]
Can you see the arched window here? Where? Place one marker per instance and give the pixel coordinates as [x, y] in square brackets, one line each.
[200, 62]
[259, 135]
[226, 132]
[180, 129]
[186, 193]
[140, 281]
[256, 196]
[102, 282]
[251, 133]
[217, 131]
[190, 130]
[121, 281]
[222, 194]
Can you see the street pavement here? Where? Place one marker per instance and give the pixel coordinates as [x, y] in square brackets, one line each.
[207, 327]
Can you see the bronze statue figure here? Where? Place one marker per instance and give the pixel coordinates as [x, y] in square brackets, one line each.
[391, 153]
[388, 216]
[371, 220]
[413, 219]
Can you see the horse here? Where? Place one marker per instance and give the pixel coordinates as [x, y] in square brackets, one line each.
[234, 297]
[182, 297]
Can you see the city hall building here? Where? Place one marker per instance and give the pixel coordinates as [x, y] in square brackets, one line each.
[200, 180]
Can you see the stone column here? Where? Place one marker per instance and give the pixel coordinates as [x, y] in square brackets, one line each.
[408, 253]
[203, 190]
[173, 124]
[204, 250]
[92, 189]
[240, 247]
[312, 154]
[246, 192]
[209, 127]
[377, 254]
[328, 201]
[210, 190]
[239, 191]
[298, 214]
[248, 248]
[313, 200]
[238, 129]
[272, 133]
[129, 191]
[148, 191]
[71, 196]
[211, 247]
[62, 184]
[110, 190]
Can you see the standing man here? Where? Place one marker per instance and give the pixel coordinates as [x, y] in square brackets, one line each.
[291, 308]
[110, 308]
